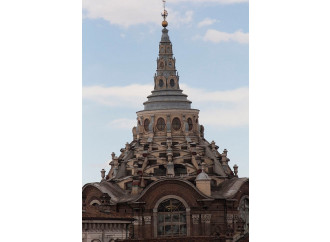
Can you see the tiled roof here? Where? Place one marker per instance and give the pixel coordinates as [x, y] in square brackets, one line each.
[93, 213]
[228, 188]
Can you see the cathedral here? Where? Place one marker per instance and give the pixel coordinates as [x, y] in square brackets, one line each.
[169, 183]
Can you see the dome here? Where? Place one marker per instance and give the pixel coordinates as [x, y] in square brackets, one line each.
[202, 176]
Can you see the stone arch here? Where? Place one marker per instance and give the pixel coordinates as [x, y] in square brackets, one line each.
[162, 199]
[173, 186]
[95, 201]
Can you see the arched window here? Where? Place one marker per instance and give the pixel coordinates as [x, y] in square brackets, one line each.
[244, 211]
[161, 124]
[95, 203]
[176, 124]
[190, 124]
[172, 83]
[171, 218]
[161, 83]
[180, 170]
[146, 125]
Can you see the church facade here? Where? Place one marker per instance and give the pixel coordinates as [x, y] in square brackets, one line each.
[169, 183]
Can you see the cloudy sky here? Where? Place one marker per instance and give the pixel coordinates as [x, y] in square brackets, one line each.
[120, 45]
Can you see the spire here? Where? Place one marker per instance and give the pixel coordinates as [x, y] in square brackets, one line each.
[167, 93]
[164, 14]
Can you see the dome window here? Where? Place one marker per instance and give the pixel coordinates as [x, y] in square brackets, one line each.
[161, 83]
[146, 125]
[172, 83]
[161, 124]
[176, 124]
[190, 124]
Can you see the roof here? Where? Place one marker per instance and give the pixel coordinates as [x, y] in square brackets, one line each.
[93, 213]
[228, 188]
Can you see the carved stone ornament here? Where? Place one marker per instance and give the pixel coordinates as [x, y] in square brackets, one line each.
[138, 220]
[230, 218]
[147, 219]
[206, 218]
[195, 218]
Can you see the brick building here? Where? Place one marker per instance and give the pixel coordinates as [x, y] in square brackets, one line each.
[169, 179]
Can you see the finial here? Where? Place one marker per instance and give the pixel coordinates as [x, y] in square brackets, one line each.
[203, 166]
[103, 174]
[164, 14]
[236, 170]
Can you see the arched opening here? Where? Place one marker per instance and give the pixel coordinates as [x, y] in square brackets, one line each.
[161, 124]
[171, 218]
[95, 203]
[190, 124]
[176, 123]
[146, 124]
[180, 170]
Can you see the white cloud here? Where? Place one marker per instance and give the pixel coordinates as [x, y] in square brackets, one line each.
[216, 36]
[221, 108]
[132, 12]
[123, 123]
[218, 108]
[206, 22]
[128, 96]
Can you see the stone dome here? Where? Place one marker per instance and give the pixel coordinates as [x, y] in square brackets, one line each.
[202, 176]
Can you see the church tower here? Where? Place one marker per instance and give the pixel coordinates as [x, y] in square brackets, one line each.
[169, 177]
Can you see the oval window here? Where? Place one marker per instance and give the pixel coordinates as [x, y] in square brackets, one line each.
[176, 124]
[172, 83]
[161, 124]
[190, 124]
[146, 124]
[161, 83]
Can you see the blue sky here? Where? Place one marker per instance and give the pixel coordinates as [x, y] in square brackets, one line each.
[120, 47]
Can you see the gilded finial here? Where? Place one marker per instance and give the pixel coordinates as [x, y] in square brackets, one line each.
[164, 14]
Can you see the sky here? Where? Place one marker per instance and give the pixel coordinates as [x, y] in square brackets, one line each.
[119, 50]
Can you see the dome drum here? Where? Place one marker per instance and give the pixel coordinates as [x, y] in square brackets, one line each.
[176, 121]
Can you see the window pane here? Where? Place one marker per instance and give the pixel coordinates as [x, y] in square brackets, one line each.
[171, 218]
[160, 230]
[175, 218]
[175, 229]
[183, 229]
[183, 218]
[167, 217]
[168, 230]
